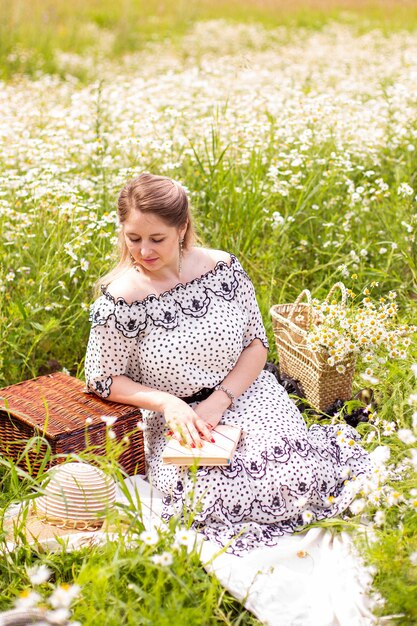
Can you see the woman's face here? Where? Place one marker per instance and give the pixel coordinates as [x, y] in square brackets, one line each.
[151, 241]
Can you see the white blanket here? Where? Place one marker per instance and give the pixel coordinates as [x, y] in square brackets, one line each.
[311, 579]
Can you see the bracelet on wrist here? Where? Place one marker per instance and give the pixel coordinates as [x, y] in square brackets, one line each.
[229, 394]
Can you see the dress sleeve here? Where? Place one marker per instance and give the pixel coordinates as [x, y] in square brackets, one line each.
[255, 328]
[110, 350]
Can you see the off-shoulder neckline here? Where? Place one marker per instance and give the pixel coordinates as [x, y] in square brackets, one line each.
[153, 296]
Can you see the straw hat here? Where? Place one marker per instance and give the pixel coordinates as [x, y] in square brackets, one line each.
[75, 499]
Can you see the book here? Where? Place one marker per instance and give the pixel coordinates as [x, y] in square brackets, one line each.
[218, 453]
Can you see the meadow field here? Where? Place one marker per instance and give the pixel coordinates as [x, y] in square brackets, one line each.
[295, 132]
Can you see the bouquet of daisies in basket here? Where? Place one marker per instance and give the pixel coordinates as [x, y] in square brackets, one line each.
[360, 327]
[319, 342]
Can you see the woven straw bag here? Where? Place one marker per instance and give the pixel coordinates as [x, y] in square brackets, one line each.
[321, 383]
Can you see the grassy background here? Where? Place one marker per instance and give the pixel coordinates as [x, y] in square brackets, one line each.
[30, 33]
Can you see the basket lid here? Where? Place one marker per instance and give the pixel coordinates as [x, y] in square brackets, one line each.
[57, 404]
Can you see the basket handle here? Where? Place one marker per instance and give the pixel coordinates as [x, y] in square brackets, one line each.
[343, 291]
[307, 294]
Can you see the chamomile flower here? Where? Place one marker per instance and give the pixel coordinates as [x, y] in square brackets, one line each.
[307, 516]
[149, 537]
[357, 506]
[165, 559]
[27, 599]
[38, 574]
[389, 428]
[406, 436]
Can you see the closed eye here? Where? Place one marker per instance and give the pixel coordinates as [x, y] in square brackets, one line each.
[153, 240]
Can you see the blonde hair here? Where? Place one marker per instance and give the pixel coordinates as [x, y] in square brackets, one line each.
[159, 195]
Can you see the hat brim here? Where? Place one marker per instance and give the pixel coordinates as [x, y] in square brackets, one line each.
[27, 527]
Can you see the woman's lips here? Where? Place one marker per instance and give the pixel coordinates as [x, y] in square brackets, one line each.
[149, 260]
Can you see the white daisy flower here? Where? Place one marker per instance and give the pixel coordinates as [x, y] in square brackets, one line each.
[379, 518]
[406, 436]
[63, 595]
[165, 559]
[28, 599]
[149, 537]
[308, 516]
[357, 506]
[38, 574]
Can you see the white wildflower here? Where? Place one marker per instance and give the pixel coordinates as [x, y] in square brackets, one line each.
[149, 537]
[373, 380]
[380, 455]
[84, 265]
[277, 219]
[406, 436]
[389, 428]
[379, 518]
[185, 537]
[394, 497]
[370, 436]
[28, 599]
[38, 574]
[63, 595]
[404, 190]
[308, 516]
[165, 559]
[357, 506]
[109, 420]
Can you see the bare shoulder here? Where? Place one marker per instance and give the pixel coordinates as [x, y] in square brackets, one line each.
[212, 257]
[127, 286]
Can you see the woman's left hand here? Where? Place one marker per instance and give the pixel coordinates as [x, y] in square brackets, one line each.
[210, 412]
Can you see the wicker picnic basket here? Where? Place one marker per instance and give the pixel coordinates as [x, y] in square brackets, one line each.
[56, 408]
[321, 383]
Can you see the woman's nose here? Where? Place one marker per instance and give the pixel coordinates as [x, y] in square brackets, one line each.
[145, 250]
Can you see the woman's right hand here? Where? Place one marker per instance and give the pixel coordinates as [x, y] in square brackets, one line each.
[187, 427]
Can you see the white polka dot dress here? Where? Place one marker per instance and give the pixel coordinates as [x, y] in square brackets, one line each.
[189, 338]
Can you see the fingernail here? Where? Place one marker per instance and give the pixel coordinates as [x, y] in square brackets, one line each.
[212, 440]
[170, 433]
[193, 445]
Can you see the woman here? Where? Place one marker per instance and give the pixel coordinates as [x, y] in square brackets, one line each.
[178, 332]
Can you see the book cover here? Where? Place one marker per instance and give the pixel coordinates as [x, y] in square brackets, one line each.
[218, 453]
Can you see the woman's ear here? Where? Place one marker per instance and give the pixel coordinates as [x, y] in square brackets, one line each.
[183, 230]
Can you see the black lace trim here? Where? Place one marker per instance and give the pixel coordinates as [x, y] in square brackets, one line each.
[153, 296]
[101, 387]
[131, 319]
